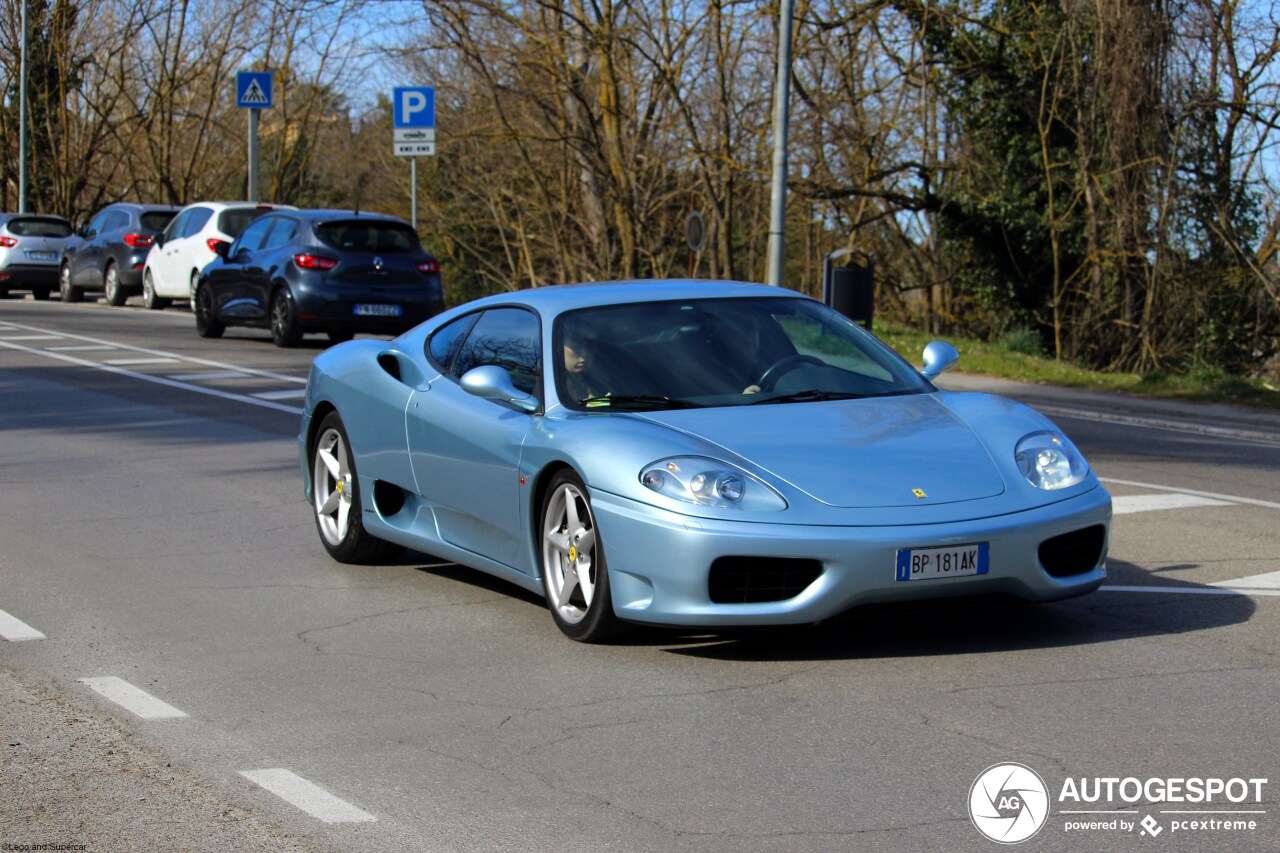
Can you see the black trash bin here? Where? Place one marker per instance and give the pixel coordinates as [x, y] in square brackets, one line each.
[852, 291]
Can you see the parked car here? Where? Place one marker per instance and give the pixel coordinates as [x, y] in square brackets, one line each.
[30, 248]
[186, 246]
[108, 254]
[334, 271]
[691, 453]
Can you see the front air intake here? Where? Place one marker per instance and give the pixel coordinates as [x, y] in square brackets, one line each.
[752, 580]
[1073, 553]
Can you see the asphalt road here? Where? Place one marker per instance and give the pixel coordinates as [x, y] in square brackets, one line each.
[154, 535]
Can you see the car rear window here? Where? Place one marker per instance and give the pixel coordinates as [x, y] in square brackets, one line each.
[156, 220]
[39, 228]
[234, 220]
[364, 235]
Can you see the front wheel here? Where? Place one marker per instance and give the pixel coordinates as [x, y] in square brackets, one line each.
[149, 298]
[285, 331]
[206, 324]
[335, 498]
[67, 291]
[111, 286]
[573, 568]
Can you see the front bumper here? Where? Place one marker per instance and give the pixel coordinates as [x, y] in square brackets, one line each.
[659, 561]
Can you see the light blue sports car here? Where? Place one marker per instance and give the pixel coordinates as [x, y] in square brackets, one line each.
[691, 453]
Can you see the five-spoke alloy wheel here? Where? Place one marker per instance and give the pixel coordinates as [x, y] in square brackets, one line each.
[335, 497]
[573, 567]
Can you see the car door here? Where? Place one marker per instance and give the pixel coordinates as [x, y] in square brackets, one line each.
[164, 263]
[465, 450]
[89, 250]
[232, 281]
[191, 252]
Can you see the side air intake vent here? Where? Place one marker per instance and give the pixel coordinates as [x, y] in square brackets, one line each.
[1073, 553]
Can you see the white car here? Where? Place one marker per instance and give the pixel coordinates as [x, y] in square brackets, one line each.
[174, 263]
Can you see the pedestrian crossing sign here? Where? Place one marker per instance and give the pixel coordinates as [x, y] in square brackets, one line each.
[253, 89]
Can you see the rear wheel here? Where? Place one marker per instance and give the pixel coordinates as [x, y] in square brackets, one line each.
[335, 499]
[573, 569]
[111, 286]
[285, 331]
[206, 324]
[67, 291]
[149, 298]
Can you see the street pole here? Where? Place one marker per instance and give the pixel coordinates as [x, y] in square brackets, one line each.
[413, 190]
[781, 112]
[253, 155]
[22, 118]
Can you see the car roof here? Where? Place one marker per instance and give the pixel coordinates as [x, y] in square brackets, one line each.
[317, 214]
[224, 205]
[565, 297]
[9, 217]
[142, 208]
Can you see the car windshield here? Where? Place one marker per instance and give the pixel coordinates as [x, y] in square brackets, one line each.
[156, 220]
[367, 235]
[721, 352]
[39, 228]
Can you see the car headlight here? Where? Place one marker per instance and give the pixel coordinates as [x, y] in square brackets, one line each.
[707, 482]
[1049, 461]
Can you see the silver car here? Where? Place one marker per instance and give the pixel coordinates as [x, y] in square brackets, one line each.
[30, 248]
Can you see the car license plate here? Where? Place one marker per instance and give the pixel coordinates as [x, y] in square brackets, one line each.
[922, 564]
[39, 255]
[379, 310]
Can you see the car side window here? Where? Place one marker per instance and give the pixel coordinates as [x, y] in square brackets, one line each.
[196, 219]
[176, 227]
[281, 234]
[446, 341]
[250, 240]
[508, 338]
[117, 219]
[96, 224]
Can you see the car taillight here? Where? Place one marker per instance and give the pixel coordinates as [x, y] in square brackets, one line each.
[429, 266]
[138, 241]
[8, 242]
[213, 243]
[314, 262]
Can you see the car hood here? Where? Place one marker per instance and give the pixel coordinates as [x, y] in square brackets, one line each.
[875, 452]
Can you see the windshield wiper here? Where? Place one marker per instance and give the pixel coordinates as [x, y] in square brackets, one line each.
[809, 396]
[656, 400]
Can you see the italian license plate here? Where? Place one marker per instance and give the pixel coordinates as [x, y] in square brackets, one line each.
[41, 255]
[922, 564]
[378, 310]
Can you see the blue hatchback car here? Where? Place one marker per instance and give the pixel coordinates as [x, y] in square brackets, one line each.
[334, 271]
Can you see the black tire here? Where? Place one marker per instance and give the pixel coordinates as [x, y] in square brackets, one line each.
[67, 291]
[335, 499]
[340, 337]
[149, 298]
[285, 331]
[570, 544]
[4, 293]
[111, 286]
[40, 294]
[206, 325]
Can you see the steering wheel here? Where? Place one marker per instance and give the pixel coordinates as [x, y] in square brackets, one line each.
[785, 365]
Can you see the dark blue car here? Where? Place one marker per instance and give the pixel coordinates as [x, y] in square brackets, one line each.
[108, 253]
[334, 271]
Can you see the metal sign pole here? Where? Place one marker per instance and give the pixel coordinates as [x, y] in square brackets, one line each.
[253, 155]
[781, 112]
[22, 118]
[413, 192]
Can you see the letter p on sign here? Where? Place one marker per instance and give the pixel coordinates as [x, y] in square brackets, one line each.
[415, 106]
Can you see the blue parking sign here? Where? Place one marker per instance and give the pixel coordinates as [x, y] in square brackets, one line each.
[415, 106]
[253, 89]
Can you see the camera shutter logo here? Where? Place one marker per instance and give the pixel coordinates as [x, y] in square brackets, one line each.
[1008, 803]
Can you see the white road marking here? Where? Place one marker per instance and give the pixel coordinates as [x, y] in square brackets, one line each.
[199, 377]
[1229, 498]
[291, 394]
[1162, 425]
[132, 698]
[81, 348]
[1265, 584]
[15, 630]
[1168, 500]
[308, 796]
[31, 338]
[159, 380]
[1170, 590]
[127, 362]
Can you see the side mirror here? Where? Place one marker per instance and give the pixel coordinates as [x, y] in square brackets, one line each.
[492, 383]
[939, 357]
[221, 249]
[159, 239]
